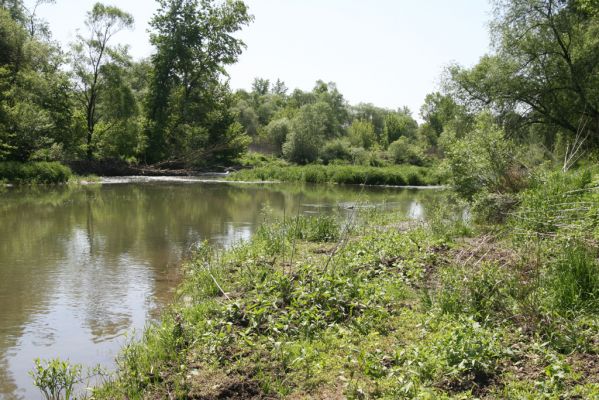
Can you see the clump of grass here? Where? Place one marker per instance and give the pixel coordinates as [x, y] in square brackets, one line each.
[34, 172]
[573, 279]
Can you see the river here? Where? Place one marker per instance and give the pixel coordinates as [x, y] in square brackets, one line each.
[83, 268]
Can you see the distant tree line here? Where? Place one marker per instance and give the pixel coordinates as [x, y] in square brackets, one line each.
[305, 127]
[539, 86]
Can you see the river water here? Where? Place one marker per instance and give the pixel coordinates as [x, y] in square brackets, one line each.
[84, 268]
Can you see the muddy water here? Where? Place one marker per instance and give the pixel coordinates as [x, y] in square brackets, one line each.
[82, 269]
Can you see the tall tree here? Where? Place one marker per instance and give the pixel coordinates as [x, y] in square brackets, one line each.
[35, 108]
[188, 106]
[90, 56]
[544, 68]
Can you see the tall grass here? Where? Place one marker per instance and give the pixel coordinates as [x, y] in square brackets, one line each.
[401, 175]
[573, 279]
[34, 172]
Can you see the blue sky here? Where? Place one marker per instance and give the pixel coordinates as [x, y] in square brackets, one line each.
[387, 52]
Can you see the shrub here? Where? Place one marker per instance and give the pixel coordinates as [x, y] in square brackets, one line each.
[337, 149]
[403, 152]
[277, 131]
[56, 379]
[483, 160]
[361, 134]
[34, 172]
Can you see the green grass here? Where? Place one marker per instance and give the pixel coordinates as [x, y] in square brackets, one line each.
[34, 172]
[402, 175]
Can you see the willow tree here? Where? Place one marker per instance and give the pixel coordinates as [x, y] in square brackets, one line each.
[188, 105]
[90, 56]
[544, 68]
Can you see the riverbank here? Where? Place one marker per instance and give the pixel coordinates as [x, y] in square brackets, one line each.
[379, 307]
[400, 175]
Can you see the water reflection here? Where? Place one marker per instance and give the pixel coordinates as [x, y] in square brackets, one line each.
[81, 267]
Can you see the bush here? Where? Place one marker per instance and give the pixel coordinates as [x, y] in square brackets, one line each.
[56, 379]
[403, 152]
[361, 134]
[34, 172]
[337, 149]
[277, 131]
[483, 160]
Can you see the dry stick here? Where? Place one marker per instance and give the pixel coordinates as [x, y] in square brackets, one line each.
[217, 285]
[573, 153]
[341, 241]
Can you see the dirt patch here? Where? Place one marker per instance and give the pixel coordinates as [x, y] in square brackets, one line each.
[585, 364]
[215, 385]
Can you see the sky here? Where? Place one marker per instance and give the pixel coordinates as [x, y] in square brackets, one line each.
[387, 52]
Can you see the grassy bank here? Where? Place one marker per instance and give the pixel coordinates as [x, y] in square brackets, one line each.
[343, 174]
[377, 307]
[34, 172]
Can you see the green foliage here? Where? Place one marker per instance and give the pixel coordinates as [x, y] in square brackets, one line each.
[558, 201]
[542, 70]
[483, 161]
[189, 109]
[398, 125]
[336, 150]
[277, 131]
[361, 134]
[481, 291]
[308, 133]
[92, 57]
[56, 379]
[402, 151]
[34, 172]
[34, 93]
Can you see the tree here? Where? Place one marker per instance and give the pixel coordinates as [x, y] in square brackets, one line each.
[308, 132]
[375, 115]
[260, 86]
[279, 88]
[544, 68]
[399, 124]
[277, 131]
[188, 106]
[35, 108]
[90, 57]
[361, 134]
[34, 24]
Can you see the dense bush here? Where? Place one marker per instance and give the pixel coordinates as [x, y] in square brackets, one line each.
[34, 172]
[402, 151]
[277, 132]
[483, 161]
[336, 150]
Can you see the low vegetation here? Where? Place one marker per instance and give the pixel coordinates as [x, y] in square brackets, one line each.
[343, 174]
